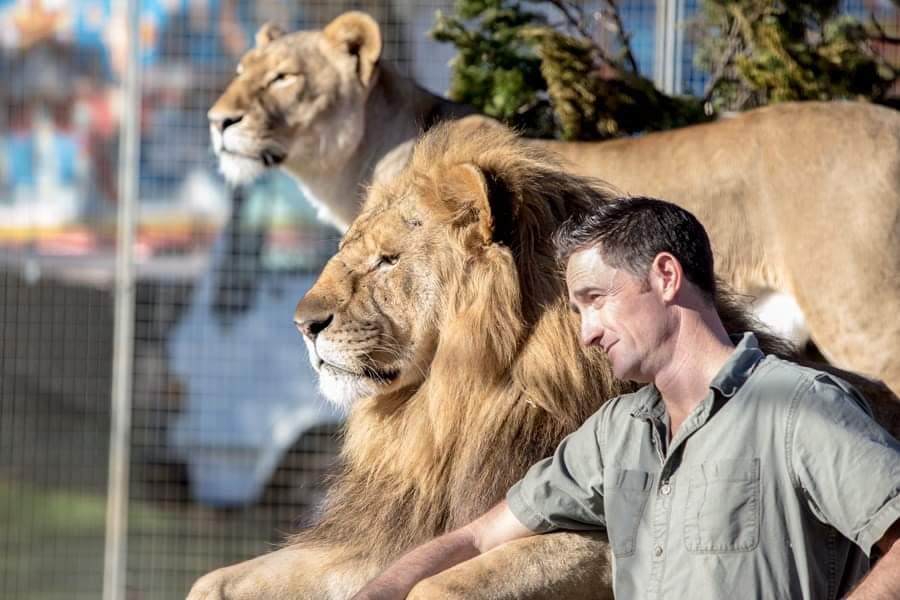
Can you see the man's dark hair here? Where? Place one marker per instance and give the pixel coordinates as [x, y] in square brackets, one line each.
[631, 232]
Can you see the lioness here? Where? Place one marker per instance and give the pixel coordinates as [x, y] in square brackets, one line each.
[802, 201]
[442, 324]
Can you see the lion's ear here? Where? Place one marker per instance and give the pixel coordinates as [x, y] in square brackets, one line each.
[267, 33]
[479, 200]
[358, 35]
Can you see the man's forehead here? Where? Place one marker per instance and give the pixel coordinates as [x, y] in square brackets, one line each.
[586, 265]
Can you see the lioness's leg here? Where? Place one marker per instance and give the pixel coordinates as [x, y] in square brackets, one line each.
[292, 573]
[557, 565]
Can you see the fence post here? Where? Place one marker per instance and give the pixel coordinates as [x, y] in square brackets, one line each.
[116, 547]
[667, 59]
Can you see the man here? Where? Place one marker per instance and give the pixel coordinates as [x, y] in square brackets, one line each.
[731, 472]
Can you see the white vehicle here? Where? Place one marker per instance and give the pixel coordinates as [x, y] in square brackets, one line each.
[250, 392]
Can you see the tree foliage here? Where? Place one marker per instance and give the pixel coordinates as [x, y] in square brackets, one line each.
[759, 52]
[552, 70]
[540, 65]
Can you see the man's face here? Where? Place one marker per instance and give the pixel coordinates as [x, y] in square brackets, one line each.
[619, 313]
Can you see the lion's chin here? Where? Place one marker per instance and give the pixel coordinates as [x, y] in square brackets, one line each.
[343, 389]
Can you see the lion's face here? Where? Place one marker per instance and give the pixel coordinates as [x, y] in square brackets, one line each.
[296, 98]
[370, 322]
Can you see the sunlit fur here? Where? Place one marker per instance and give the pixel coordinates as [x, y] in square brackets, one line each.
[497, 379]
[507, 379]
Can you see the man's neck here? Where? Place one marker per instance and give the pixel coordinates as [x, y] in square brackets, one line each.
[700, 347]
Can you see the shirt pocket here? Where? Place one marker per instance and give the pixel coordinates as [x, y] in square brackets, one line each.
[723, 503]
[625, 497]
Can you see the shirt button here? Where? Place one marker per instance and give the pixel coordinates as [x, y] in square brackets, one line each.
[657, 551]
[665, 489]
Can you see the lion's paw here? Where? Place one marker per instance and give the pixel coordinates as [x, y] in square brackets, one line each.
[228, 583]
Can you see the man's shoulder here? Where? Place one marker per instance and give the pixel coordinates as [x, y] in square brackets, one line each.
[809, 387]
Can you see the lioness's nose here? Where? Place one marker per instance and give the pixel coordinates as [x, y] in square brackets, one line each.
[313, 327]
[223, 122]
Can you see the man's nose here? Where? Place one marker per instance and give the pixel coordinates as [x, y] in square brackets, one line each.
[591, 332]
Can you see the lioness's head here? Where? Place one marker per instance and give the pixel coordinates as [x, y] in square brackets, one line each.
[447, 269]
[297, 97]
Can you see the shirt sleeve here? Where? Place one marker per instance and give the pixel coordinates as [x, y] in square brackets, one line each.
[846, 464]
[564, 491]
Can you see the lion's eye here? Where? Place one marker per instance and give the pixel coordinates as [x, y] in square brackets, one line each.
[281, 79]
[387, 260]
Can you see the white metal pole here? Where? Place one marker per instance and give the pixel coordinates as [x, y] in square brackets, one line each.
[666, 55]
[115, 553]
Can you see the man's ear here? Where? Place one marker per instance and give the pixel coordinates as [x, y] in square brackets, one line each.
[667, 275]
[478, 200]
[267, 33]
[357, 34]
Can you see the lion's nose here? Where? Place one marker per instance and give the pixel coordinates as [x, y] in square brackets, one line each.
[312, 327]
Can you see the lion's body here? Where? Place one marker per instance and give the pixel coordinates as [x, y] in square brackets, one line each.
[802, 201]
[443, 324]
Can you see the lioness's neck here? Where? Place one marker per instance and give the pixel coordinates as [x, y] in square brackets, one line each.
[397, 111]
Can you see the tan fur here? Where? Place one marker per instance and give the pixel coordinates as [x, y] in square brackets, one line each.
[799, 199]
[481, 374]
[340, 121]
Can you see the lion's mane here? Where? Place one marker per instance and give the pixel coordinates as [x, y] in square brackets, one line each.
[508, 380]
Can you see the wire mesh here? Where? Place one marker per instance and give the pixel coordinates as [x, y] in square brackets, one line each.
[229, 438]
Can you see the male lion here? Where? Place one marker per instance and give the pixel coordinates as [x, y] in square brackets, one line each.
[801, 201]
[442, 324]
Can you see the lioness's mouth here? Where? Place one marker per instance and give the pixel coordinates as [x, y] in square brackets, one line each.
[272, 158]
[269, 158]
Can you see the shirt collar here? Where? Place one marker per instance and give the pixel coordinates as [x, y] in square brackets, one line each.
[739, 366]
[727, 382]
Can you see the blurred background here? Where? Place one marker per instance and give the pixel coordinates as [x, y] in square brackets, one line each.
[229, 439]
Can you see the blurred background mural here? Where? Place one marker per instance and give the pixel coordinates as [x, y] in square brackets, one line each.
[229, 438]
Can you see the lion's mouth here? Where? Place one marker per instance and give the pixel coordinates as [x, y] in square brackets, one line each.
[384, 376]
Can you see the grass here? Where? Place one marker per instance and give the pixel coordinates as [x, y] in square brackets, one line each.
[52, 543]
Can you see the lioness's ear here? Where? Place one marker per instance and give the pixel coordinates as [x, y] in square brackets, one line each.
[477, 198]
[267, 33]
[358, 35]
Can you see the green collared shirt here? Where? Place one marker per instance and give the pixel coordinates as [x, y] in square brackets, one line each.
[777, 485]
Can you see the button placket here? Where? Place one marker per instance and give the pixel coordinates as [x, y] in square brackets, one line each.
[660, 529]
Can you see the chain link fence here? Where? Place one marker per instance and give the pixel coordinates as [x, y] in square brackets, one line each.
[229, 439]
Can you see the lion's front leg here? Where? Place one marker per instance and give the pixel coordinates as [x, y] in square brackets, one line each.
[557, 565]
[292, 573]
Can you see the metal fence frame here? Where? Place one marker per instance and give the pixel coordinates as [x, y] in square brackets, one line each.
[668, 73]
